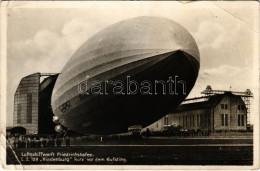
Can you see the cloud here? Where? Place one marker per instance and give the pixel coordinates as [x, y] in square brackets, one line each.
[46, 51]
[209, 34]
[49, 50]
[223, 71]
[228, 74]
[77, 31]
[45, 41]
[222, 77]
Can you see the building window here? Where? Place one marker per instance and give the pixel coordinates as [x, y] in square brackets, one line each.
[190, 120]
[186, 121]
[29, 108]
[201, 120]
[166, 120]
[224, 119]
[241, 107]
[198, 120]
[193, 120]
[19, 111]
[240, 120]
[179, 120]
[224, 106]
[206, 120]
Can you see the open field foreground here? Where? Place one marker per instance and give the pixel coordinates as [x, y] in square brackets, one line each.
[141, 152]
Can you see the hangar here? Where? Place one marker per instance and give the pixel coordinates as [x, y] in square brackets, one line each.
[32, 103]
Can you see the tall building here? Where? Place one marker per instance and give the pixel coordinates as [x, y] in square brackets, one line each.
[32, 104]
[216, 113]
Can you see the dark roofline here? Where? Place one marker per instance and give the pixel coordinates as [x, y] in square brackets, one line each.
[45, 79]
[24, 78]
[212, 101]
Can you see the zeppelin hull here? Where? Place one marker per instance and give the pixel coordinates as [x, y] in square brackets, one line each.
[114, 113]
[121, 54]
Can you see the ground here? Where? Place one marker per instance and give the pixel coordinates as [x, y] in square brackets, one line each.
[149, 151]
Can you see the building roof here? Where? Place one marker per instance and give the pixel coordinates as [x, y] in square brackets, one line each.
[47, 81]
[209, 102]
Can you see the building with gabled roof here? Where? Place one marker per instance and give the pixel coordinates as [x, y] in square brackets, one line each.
[216, 113]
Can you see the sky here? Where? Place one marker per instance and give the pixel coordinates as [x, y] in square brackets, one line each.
[43, 38]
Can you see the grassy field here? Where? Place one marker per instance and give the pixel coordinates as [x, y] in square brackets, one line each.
[170, 140]
[146, 152]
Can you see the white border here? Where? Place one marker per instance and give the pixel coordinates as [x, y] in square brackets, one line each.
[80, 4]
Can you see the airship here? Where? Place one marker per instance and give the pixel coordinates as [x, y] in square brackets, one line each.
[131, 73]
